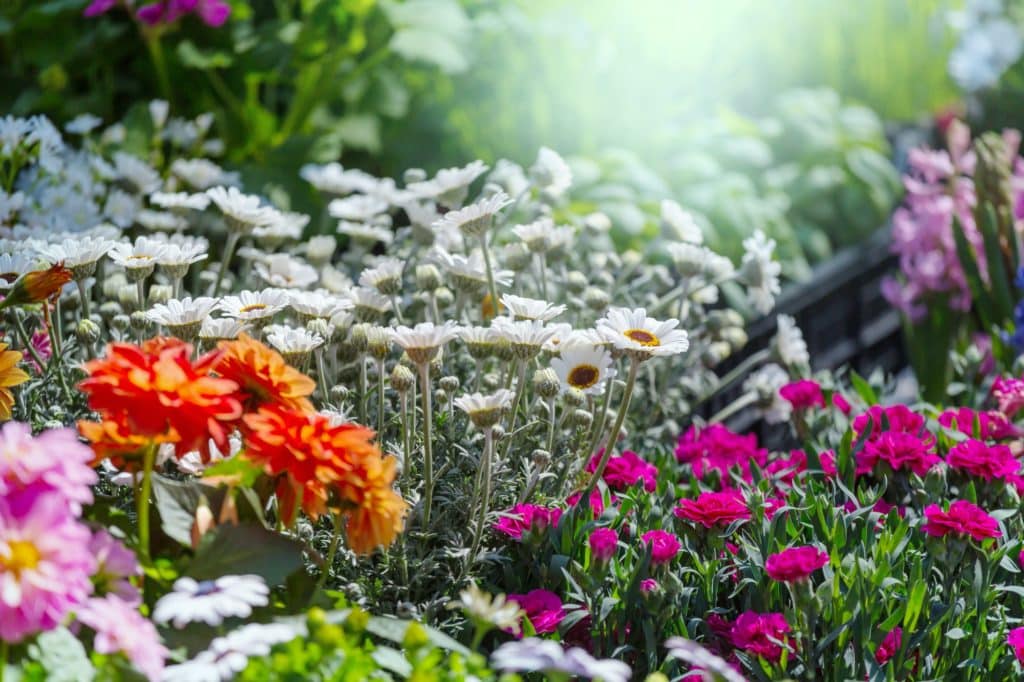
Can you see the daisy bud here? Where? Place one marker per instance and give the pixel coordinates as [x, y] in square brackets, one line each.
[449, 384]
[37, 286]
[541, 458]
[428, 277]
[574, 397]
[597, 222]
[112, 284]
[582, 419]
[716, 321]
[378, 342]
[517, 257]
[576, 282]
[347, 352]
[736, 337]
[87, 332]
[715, 353]
[339, 393]
[322, 327]
[437, 364]
[596, 299]
[402, 378]
[110, 308]
[359, 337]
[128, 296]
[139, 321]
[160, 293]
[120, 322]
[320, 249]
[546, 383]
[632, 258]
[440, 397]
[444, 297]
[491, 381]
[498, 432]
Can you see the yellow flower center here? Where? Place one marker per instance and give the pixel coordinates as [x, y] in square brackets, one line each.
[583, 376]
[252, 307]
[20, 556]
[642, 336]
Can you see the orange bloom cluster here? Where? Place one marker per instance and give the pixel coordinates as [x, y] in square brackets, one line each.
[315, 459]
[155, 393]
[263, 375]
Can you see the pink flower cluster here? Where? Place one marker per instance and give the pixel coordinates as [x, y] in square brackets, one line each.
[898, 418]
[984, 461]
[543, 609]
[211, 12]
[716, 448]
[1009, 394]
[890, 646]
[626, 470]
[900, 450]
[760, 633]
[795, 564]
[962, 518]
[803, 394]
[714, 508]
[527, 518]
[991, 425]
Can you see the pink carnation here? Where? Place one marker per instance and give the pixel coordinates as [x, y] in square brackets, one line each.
[890, 646]
[991, 425]
[664, 546]
[596, 500]
[899, 418]
[758, 633]
[841, 403]
[714, 509]
[603, 543]
[984, 461]
[716, 448]
[900, 450]
[626, 470]
[120, 628]
[803, 394]
[963, 518]
[543, 609]
[795, 563]
[527, 518]
[55, 460]
[648, 585]
[1016, 640]
[1009, 394]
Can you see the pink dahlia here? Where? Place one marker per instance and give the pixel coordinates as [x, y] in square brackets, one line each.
[794, 564]
[120, 628]
[963, 518]
[55, 460]
[1016, 640]
[900, 450]
[603, 543]
[714, 509]
[984, 461]
[626, 470]
[890, 646]
[45, 564]
[664, 546]
[758, 633]
[543, 609]
[803, 394]
[716, 448]
[527, 518]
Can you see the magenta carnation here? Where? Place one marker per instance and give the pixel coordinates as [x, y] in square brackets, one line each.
[648, 585]
[795, 563]
[603, 542]
[803, 394]
[987, 462]
[1016, 640]
[524, 518]
[963, 518]
[45, 563]
[543, 609]
[714, 509]
[890, 646]
[757, 633]
[626, 470]
[120, 628]
[898, 449]
[716, 448]
[899, 418]
[664, 546]
[596, 500]
[1009, 394]
[55, 460]
[991, 425]
[841, 403]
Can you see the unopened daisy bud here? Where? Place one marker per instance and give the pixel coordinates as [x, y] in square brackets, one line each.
[320, 249]
[576, 282]
[631, 258]
[402, 378]
[715, 353]
[440, 397]
[128, 296]
[437, 363]
[414, 175]
[378, 342]
[716, 321]
[546, 383]
[517, 257]
[596, 299]
[109, 309]
[491, 381]
[112, 285]
[541, 458]
[120, 322]
[736, 337]
[406, 361]
[498, 432]
[160, 293]
[597, 222]
[359, 337]
[339, 393]
[444, 297]
[322, 327]
[574, 397]
[582, 419]
[139, 321]
[428, 277]
[87, 332]
[449, 384]
[347, 352]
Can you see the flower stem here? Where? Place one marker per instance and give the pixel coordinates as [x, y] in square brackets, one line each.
[520, 387]
[616, 427]
[321, 369]
[332, 551]
[83, 297]
[142, 502]
[428, 449]
[380, 398]
[156, 53]
[542, 263]
[733, 407]
[229, 251]
[26, 340]
[484, 495]
[362, 389]
[490, 273]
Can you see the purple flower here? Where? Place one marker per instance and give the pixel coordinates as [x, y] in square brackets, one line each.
[116, 564]
[54, 460]
[97, 7]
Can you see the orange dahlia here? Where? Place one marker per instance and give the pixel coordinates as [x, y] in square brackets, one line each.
[315, 459]
[114, 440]
[263, 375]
[10, 375]
[155, 391]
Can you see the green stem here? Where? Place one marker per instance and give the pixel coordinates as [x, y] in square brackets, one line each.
[542, 262]
[551, 426]
[616, 427]
[380, 398]
[428, 449]
[26, 340]
[362, 389]
[142, 502]
[229, 251]
[735, 373]
[321, 370]
[83, 297]
[490, 277]
[156, 54]
[332, 551]
[484, 495]
[733, 407]
[520, 387]
[601, 419]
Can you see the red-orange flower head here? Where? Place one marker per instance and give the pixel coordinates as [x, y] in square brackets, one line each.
[264, 376]
[115, 440]
[156, 391]
[316, 458]
[38, 286]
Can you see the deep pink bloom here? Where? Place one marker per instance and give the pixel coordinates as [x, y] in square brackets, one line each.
[803, 394]
[55, 460]
[648, 585]
[211, 12]
[890, 646]
[120, 628]
[596, 500]
[963, 518]
[841, 403]
[524, 518]
[626, 470]
[900, 450]
[1016, 640]
[754, 632]
[716, 448]
[991, 425]
[45, 562]
[1009, 393]
[543, 609]
[603, 543]
[714, 509]
[115, 566]
[786, 469]
[97, 7]
[41, 344]
[795, 563]
[664, 546]
[984, 461]
[899, 418]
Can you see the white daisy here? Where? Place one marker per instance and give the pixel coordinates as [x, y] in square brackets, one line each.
[385, 276]
[202, 174]
[180, 256]
[369, 304]
[83, 124]
[229, 655]
[551, 173]
[423, 341]
[451, 185]
[471, 270]
[485, 410]
[286, 225]
[476, 219]
[254, 305]
[536, 235]
[160, 221]
[680, 223]
[526, 336]
[293, 340]
[358, 207]
[182, 312]
[583, 367]
[332, 178]
[192, 462]
[179, 201]
[289, 272]
[759, 272]
[789, 344]
[14, 265]
[531, 308]
[144, 253]
[633, 331]
[80, 254]
[334, 280]
[137, 173]
[317, 303]
[222, 329]
[320, 248]
[765, 384]
[211, 601]
[366, 234]
[242, 211]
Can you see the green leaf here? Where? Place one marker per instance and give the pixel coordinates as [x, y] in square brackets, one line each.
[393, 660]
[969, 262]
[177, 501]
[235, 550]
[193, 57]
[62, 656]
[241, 470]
[428, 46]
[863, 389]
[995, 264]
[393, 630]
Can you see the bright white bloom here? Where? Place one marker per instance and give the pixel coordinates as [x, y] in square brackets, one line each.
[472, 268]
[332, 178]
[583, 367]
[551, 173]
[180, 312]
[202, 174]
[509, 176]
[160, 221]
[358, 207]
[229, 655]
[531, 308]
[526, 336]
[633, 331]
[293, 340]
[317, 303]
[254, 305]
[320, 248]
[789, 344]
[482, 607]
[422, 213]
[14, 265]
[482, 407]
[75, 253]
[289, 272]
[218, 330]
[211, 601]
[243, 211]
[83, 124]
[369, 301]
[564, 335]
[536, 235]
[680, 223]
[385, 276]
[765, 384]
[366, 233]
[476, 219]
[543, 655]
[181, 255]
[179, 200]
[759, 272]
[140, 175]
[451, 185]
[334, 280]
[423, 341]
[144, 253]
[286, 225]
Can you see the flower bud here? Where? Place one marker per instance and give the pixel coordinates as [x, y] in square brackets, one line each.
[87, 332]
[112, 285]
[339, 393]
[736, 337]
[574, 397]
[582, 419]
[576, 282]
[109, 309]
[597, 222]
[359, 337]
[596, 299]
[428, 277]
[449, 384]
[517, 257]
[160, 293]
[444, 297]
[128, 296]
[402, 378]
[546, 383]
[440, 397]
[120, 322]
[414, 175]
[378, 342]
[491, 381]
[541, 458]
